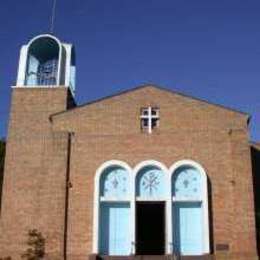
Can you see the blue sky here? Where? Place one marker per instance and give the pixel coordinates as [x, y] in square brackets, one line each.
[207, 49]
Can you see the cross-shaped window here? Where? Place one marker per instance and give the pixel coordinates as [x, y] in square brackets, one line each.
[149, 118]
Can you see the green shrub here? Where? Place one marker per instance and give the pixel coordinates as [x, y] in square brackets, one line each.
[36, 243]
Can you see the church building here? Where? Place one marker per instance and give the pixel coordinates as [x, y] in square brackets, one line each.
[147, 173]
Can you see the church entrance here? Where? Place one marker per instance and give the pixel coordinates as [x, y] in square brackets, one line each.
[150, 228]
[151, 213]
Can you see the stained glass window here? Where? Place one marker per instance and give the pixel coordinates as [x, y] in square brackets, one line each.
[187, 183]
[115, 183]
[151, 183]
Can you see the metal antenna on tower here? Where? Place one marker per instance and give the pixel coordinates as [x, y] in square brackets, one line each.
[53, 13]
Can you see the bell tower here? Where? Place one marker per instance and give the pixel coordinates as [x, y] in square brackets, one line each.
[47, 62]
[34, 187]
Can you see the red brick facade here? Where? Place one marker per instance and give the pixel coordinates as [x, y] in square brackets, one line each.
[53, 152]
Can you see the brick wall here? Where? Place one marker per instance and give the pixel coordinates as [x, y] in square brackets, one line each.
[189, 129]
[35, 172]
[36, 167]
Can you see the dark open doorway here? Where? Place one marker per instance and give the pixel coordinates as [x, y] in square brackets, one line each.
[150, 228]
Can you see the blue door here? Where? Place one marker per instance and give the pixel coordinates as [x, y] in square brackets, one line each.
[115, 229]
[187, 228]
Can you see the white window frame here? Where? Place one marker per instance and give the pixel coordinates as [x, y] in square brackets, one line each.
[97, 198]
[23, 62]
[203, 200]
[150, 117]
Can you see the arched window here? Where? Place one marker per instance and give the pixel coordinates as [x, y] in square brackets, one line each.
[187, 184]
[151, 194]
[151, 184]
[189, 210]
[115, 184]
[43, 61]
[114, 207]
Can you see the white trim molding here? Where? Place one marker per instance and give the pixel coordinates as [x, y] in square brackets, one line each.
[23, 63]
[204, 198]
[65, 73]
[96, 201]
[167, 198]
[60, 51]
[146, 163]
[43, 36]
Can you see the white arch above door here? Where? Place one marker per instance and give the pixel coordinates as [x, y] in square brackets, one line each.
[203, 197]
[96, 217]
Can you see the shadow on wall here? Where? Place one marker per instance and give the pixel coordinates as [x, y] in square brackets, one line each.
[2, 159]
[255, 155]
[211, 240]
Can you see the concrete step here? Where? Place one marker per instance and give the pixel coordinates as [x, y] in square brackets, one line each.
[151, 257]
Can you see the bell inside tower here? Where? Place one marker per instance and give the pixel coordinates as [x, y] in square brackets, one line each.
[43, 62]
[46, 61]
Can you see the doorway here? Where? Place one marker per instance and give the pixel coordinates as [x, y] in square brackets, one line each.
[150, 228]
